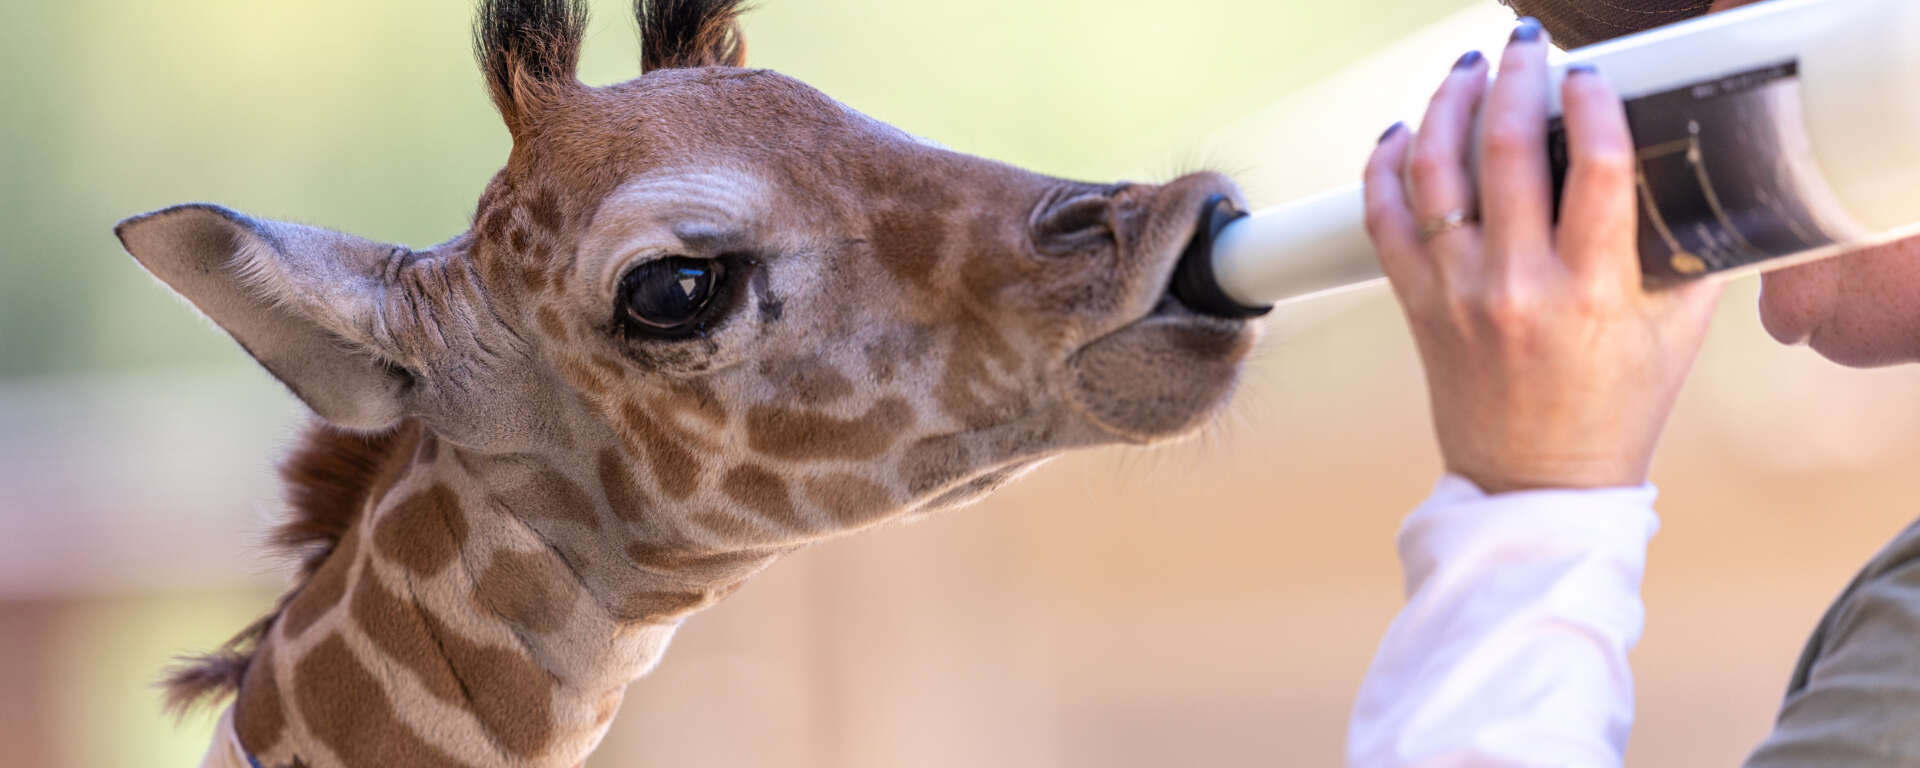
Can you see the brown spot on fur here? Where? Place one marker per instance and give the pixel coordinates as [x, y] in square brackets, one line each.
[851, 499]
[519, 239]
[660, 606]
[924, 190]
[804, 435]
[675, 470]
[612, 369]
[658, 559]
[585, 378]
[533, 277]
[933, 462]
[550, 321]
[664, 560]
[983, 278]
[908, 244]
[512, 698]
[757, 489]
[628, 501]
[549, 495]
[806, 379]
[395, 627]
[321, 592]
[530, 590]
[709, 566]
[347, 710]
[257, 717]
[545, 210]
[424, 532]
[493, 226]
[556, 269]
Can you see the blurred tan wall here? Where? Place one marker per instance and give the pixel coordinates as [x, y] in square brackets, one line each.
[1212, 603]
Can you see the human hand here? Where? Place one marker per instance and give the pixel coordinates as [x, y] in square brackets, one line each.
[1548, 364]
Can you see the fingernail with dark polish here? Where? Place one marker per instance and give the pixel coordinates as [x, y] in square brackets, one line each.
[1391, 130]
[1527, 32]
[1468, 59]
[1582, 69]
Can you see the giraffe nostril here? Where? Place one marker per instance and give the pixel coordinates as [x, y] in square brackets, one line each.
[1068, 224]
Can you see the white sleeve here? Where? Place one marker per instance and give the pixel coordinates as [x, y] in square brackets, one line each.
[1512, 648]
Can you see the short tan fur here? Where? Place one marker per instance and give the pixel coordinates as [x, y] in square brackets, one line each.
[702, 318]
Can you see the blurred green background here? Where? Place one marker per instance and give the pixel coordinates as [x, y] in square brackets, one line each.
[1214, 603]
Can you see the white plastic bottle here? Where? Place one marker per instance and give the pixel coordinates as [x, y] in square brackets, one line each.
[1768, 135]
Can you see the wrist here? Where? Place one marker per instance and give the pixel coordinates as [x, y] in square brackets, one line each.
[1537, 476]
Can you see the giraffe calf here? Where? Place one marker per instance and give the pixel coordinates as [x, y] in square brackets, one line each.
[702, 318]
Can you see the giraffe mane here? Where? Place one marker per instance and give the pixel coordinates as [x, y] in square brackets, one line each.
[330, 476]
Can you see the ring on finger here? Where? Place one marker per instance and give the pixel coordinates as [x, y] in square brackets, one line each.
[1451, 220]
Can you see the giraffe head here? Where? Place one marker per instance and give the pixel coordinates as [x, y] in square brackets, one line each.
[734, 289]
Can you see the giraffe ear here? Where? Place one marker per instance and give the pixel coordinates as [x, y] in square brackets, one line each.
[301, 300]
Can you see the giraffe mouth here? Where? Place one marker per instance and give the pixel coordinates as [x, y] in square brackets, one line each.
[1163, 375]
[1190, 292]
[1193, 283]
[1172, 305]
[1170, 369]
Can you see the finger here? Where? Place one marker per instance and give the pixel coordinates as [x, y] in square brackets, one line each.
[1599, 230]
[1439, 180]
[1516, 186]
[1390, 222]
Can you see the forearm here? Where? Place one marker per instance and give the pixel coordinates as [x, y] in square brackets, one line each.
[1512, 648]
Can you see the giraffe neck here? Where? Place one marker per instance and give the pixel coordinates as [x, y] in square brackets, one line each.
[485, 610]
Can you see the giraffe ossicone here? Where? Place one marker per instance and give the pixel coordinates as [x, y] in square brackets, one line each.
[702, 318]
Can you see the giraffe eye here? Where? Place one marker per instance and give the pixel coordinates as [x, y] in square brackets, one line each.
[667, 295]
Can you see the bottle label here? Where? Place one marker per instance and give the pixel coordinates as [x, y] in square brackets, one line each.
[1726, 175]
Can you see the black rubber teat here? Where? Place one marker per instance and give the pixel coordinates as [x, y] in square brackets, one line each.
[1193, 281]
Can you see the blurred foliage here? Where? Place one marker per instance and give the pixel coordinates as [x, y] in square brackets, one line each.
[369, 117]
